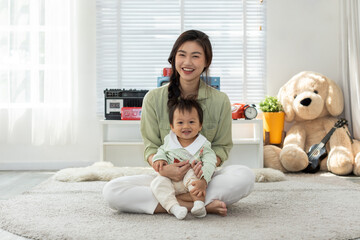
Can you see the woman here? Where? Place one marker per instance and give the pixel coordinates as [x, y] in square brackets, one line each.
[190, 59]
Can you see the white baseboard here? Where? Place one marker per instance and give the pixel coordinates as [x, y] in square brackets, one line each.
[25, 166]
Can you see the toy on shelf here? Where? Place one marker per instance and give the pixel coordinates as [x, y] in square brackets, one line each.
[131, 113]
[246, 111]
[167, 72]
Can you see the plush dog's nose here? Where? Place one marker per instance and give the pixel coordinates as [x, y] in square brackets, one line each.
[306, 102]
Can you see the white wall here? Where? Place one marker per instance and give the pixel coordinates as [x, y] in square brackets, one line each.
[302, 35]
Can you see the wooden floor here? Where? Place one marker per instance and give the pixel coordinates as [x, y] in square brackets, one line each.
[13, 183]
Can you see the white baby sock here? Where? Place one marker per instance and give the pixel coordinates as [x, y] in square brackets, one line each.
[198, 209]
[179, 211]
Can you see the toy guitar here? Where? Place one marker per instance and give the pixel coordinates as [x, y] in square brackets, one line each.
[317, 152]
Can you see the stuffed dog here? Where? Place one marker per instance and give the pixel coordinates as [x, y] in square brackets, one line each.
[312, 101]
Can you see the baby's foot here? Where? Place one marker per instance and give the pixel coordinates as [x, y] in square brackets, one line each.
[179, 211]
[198, 209]
[217, 207]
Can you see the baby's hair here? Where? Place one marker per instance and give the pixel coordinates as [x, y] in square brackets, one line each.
[187, 105]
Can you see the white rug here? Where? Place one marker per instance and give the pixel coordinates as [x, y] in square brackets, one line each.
[320, 206]
[105, 171]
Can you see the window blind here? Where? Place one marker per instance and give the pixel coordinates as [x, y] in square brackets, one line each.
[135, 37]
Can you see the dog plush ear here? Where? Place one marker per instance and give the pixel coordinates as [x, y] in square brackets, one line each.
[285, 101]
[335, 99]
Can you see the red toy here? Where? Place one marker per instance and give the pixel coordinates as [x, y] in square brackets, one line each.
[243, 111]
[130, 113]
[167, 72]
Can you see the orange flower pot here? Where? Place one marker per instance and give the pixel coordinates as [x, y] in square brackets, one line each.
[273, 122]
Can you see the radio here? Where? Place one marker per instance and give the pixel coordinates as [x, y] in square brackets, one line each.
[116, 99]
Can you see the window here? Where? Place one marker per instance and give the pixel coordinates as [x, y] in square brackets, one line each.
[134, 40]
[34, 53]
[37, 70]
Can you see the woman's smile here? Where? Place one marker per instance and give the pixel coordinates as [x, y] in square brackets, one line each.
[188, 70]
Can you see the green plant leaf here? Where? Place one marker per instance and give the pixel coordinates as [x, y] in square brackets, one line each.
[270, 104]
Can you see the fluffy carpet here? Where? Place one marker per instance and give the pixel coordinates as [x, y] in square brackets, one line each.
[105, 171]
[320, 206]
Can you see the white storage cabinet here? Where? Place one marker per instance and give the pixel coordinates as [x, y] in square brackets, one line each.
[121, 143]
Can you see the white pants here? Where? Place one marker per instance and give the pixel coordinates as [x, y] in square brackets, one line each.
[133, 193]
[165, 190]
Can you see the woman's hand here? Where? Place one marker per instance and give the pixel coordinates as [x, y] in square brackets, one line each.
[197, 168]
[175, 171]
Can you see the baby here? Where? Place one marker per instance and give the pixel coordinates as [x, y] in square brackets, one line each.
[184, 142]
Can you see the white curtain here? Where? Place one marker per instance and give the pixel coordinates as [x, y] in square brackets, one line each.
[38, 78]
[351, 63]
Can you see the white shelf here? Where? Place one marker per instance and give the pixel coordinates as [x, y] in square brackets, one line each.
[246, 121]
[247, 141]
[120, 122]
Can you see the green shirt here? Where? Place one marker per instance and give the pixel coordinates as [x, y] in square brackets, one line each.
[216, 125]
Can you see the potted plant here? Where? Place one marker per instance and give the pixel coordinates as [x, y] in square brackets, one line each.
[273, 119]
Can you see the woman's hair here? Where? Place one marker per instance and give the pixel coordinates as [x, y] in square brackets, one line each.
[191, 35]
[185, 105]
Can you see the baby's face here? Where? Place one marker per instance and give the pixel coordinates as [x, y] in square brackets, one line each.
[186, 125]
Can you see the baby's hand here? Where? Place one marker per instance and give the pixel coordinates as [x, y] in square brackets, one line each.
[158, 165]
[196, 166]
[199, 188]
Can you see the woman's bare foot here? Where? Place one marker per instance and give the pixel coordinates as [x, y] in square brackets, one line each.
[217, 207]
[160, 209]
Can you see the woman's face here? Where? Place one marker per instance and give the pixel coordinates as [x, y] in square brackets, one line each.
[190, 61]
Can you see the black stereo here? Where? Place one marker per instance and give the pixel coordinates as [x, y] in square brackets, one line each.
[115, 99]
